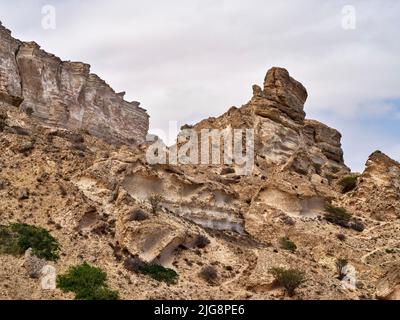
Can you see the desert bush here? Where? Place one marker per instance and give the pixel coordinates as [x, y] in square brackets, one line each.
[3, 115]
[335, 169]
[317, 167]
[341, 237]
[348, 183]
[209, 273]
[340, 264]
[338, 216]
[155, 202]
[3, 118]
[16, 238]
[287, 244]
[159, 273]
[87, 282]
[155, 271]
[138, 215]
[201, 242]
[290, 279]
[29, 111]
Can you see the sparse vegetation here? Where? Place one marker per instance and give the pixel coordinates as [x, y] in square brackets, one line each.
[16, 238]
[3, 119]
[209, 273]
[330, 178]
[87, 282]
[348, 183]
[290, 279]
[340, 264]
[317, 167]
[341, 217]
[160, 273]
[201, 242]
[301, 171]
[155, 202]
[155, 271]
[138, 215]
[287, 244]
[335, 169]
[3, 115]
[29, 111]
[338, 216]
[341, 237]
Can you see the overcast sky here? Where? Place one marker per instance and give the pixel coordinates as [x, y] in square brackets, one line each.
[190, 59]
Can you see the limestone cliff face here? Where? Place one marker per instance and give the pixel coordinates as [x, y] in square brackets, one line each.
[65, 94]
[10, 82]
[378, 189]
[284, 138]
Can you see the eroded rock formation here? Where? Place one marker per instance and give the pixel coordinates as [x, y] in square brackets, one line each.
[96, 197]
[378, 188]
[65, 94]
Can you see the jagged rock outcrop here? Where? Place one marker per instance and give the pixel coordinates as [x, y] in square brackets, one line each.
[378, 189]
[282, 92]
[65, 94]
[96, 198]
[388, 288]
[283, 138]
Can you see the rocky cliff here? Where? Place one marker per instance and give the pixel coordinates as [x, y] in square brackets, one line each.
[219, 230]
[65, 94]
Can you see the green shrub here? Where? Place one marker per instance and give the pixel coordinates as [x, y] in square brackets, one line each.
[289, 278]
[155, 271]
[138, 215]
[287, 244]
[3, 119]
[341, 237]
[335, 169]
[340, 264]
[160, 273]
[3, 115]
[155, 202]
[201, 242]
[16, 238]
[87, 282]
[29, 111]
[348, 183]
[317, 167]
[338, 216]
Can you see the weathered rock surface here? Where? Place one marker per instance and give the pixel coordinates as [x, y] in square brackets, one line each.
[84, 191]
[283, 138]
[389, 287]
[10, 82]
[378, 190]
[65, 94]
